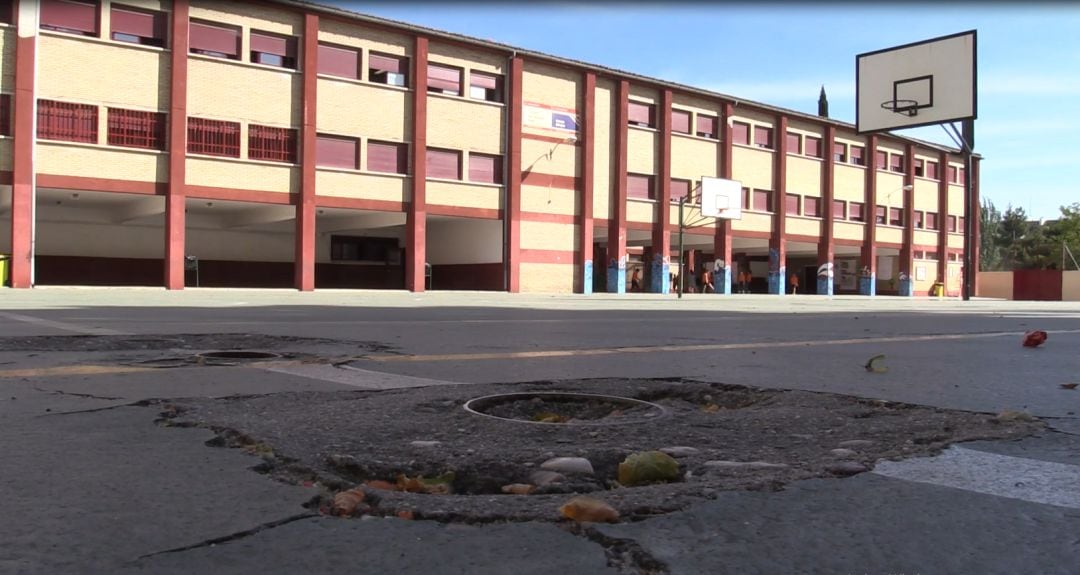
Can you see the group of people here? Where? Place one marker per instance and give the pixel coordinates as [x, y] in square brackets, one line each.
[703, 282]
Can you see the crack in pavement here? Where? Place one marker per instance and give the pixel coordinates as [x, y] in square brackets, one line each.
[233, 536]
[140, 403]
[72, 393]
[626, 555]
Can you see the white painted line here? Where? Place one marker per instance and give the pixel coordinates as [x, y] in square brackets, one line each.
[1046, 482]
[355, 377]
[61, 325]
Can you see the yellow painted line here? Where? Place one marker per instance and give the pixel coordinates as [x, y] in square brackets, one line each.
[691, 347]
[72, 370]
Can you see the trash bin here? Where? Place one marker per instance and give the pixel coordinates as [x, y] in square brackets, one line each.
[938, 289]
[5, 265]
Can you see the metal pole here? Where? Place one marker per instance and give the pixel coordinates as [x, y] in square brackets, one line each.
[682, 266]
[970, 222]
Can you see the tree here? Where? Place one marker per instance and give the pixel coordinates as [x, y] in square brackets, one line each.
[1064, 232]
[989, 243]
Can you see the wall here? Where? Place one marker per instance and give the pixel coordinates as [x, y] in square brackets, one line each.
[464, 241]
[1070, 286]
[995, 284]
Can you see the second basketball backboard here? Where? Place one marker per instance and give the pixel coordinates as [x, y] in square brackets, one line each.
[918, 84]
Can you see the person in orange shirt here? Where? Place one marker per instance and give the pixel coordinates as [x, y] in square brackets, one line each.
[794, 283]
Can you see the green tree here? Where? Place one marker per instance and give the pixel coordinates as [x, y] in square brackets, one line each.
[1063, 232]
[1011, 231]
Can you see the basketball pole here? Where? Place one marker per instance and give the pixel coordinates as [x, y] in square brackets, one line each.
[971, 223]
[682, 271]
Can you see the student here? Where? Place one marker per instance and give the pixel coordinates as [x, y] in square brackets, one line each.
[706, 282]
[635, 280]
[794, 283]
[744, 281]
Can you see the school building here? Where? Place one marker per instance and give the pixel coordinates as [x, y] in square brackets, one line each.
[286, 144]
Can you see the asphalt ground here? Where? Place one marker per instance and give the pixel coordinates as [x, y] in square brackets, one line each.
[90, 484]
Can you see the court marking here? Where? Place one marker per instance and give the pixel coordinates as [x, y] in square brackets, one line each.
[693, 347]
[64, 326]
[72, 370]
[1032, 480]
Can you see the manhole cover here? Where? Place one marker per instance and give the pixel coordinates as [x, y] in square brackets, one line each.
[556, 408]
[238, 354]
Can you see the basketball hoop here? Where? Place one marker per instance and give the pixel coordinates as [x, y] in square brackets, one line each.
[906, 107]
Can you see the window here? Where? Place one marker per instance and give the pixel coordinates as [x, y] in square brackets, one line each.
[856, 212]
[960, 176]
[920, 167]
[857, 155]
[840, 153]
[445, 164]
[932, 255]
[273, 50]
[444, 80]
[952, 174]
[640, 186]
[879, 215]
[954, 257]
[791, 204]
[896, 163]
[389, 70]
[740, 133]
[763, 137]
[271, 144]
[706, 126]
[337, 152]
[839, 209]
[5, 114]
[214, 40]
[794, 143]
[762, 201]
[932, 170]
[388, 157]
[339, 61]
[7, 12]
[961, 224]
[136, 129]
[487, 87]
[896, 217]
[71, 16]
[680, 122]
[746, 199]
[920, 219]
[952, 224]
[811, 207]
[931, 221]
[364, 249]
[918, 254]
[137, 26]
[881, 160]
[681, 189]
[68, 122]
[485, 168]
[642, 114]
[213, 137]
[813, 146]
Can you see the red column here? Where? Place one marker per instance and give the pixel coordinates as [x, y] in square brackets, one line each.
[778, 241]
[512, 210]
[869, 249]
[304, 259]
[661, 238]
[943, 210]
[616, 249]
[826, 245]
[585, 210]
[22, 179]
[722, 238]
[416, 217]
[175, 220]
[906, 249]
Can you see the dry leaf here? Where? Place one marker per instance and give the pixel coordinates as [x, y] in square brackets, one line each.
[873, 365]
[346, 502]
[380, 484]
[1034, 338]
[711, 408]
[1010, 415]
[1069, 385]
[406, 514]
[586, 509]
[518, 488]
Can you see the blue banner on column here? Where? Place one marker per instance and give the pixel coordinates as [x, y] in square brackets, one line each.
[825, 279]
[586, 279]
[867, 285]
[659, 272]
[722, 281]
[776, 281]
[616, 277]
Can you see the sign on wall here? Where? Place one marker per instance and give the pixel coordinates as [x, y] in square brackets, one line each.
[549, 118]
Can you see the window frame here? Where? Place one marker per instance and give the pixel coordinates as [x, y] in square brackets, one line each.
[430, 152]
[159, 33]
[769, 136]
[815, 150]
[857, 159]
[67, 122]
[896, 217]
[122, 129]
[44, 13]
[767, 195]
[792, 200]
[796, 139]
[641, 107]
[675, 112]
[840, 154]
[714, 134]
[650, 186]
[435, 78]
[286, 60]
[373, 72]
[897, 163]
[235, 30]
[691, 199]
[401, 159]
[6, 103]
[266, 144]
[493, 93]
[842, 204]
[228, 147]
[352, 51]
[323, 161]
[738, 128]
[857, 212]
[496, 168]
[931, 222]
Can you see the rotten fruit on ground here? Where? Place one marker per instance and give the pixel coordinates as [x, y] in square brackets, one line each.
[648, 467]
[1034, 338]
[436, 485]
[518, 488]
[588, 510]
[346, 502]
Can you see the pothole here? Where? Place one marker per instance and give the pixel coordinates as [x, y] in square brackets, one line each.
[559, 408]
[235, 354]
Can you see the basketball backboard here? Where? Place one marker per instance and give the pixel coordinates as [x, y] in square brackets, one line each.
[918, 84]
[721, 198]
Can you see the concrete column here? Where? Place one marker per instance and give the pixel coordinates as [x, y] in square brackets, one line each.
[585, 209]
[661, 238]
[416, 214]
[868, 270]
[826, 250]
[777, 241]
[907, 271]
[722, 238]
[616, 251]
[304, 258]
[176, 196]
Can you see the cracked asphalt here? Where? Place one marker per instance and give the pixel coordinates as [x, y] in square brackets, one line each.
[93, 482]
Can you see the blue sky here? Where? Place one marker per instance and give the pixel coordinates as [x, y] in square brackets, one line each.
[1028, 129]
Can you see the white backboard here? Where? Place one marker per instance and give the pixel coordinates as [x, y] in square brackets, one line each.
[721, 198]
[926, 83]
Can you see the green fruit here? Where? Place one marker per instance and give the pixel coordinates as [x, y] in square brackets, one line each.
[648, 467]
